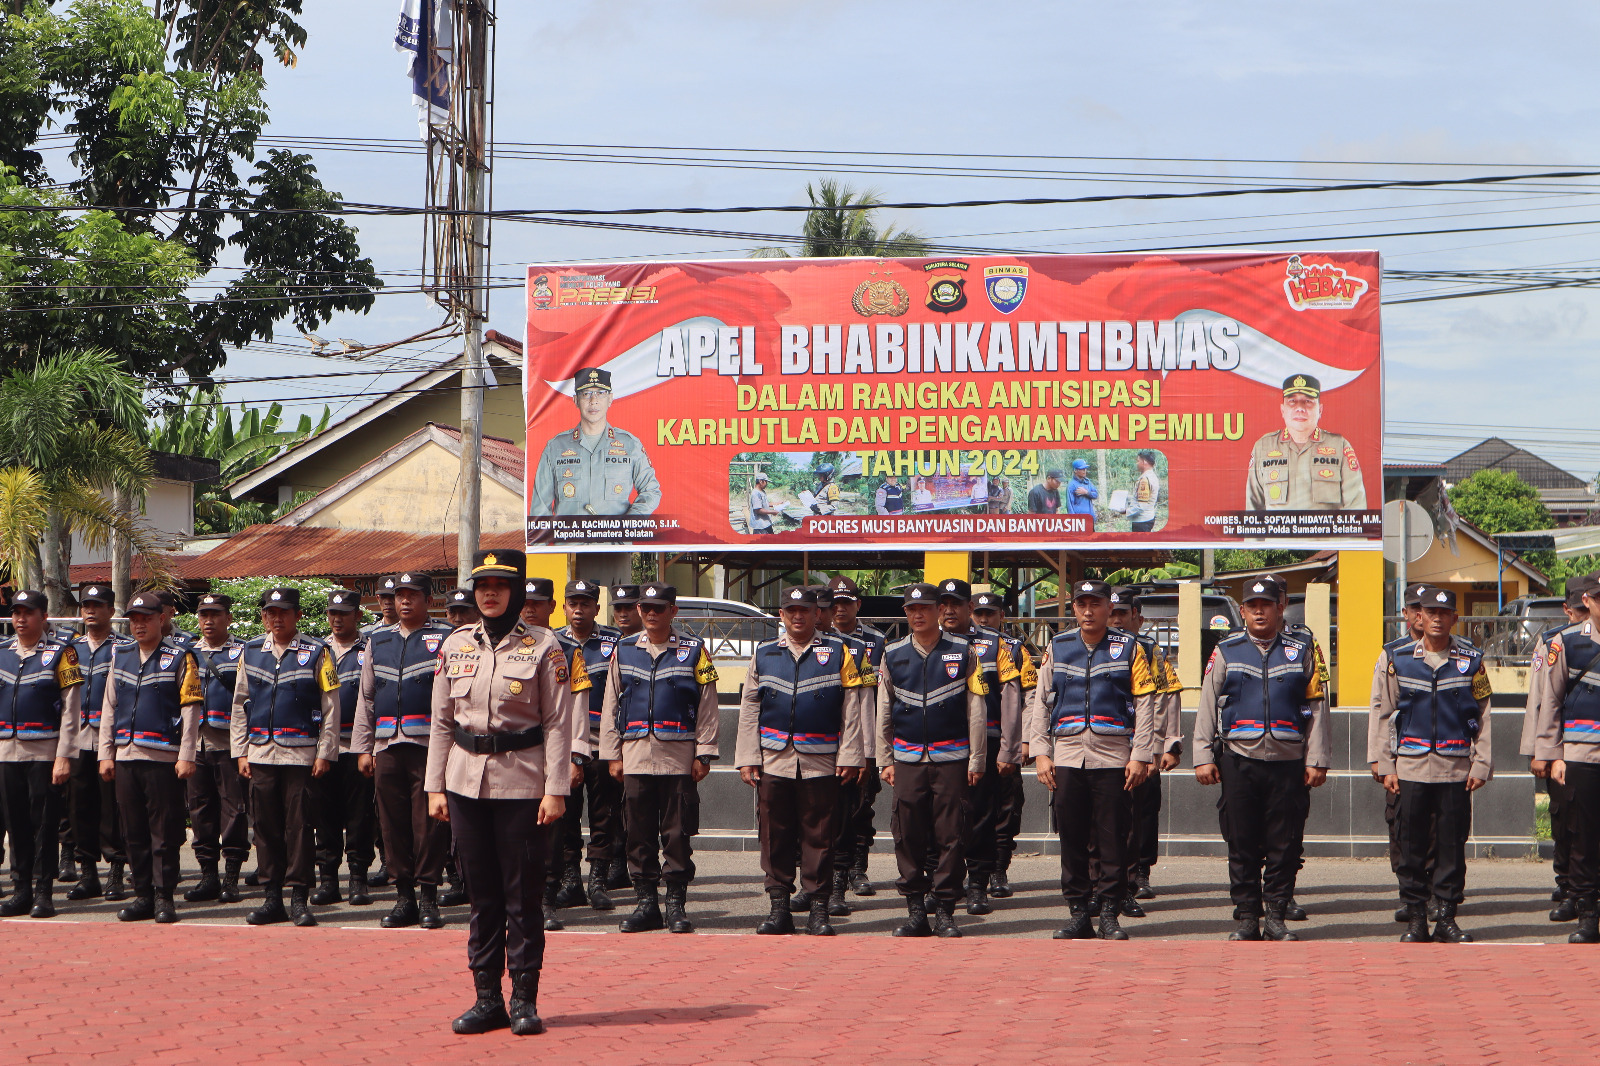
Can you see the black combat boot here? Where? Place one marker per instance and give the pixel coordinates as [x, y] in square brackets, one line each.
[1141, 882]
[647, 915]
[1110, 928]
[599, 899]
[944, 919]
[1130, 907]
[837, 906]
[116, 885]
[618, 878]
[570, 892]
[456, 894]
[1565, 910]
[978, 898]
[1402, 913]
[327, 886]
[253, 878]
[356, 887]
[1077, 927]
[818, 924]
[800, 903]
[524, 1010]
[66, 870]
[999, 882]
[300, 906]
[208, 888]
[1095, 903]
[1588, 931]
[166, 912]
[428, 907]
[677, 920]
[20, 901]
[142, 909]
[229, 892]
[1433, 909]
[88, 886]
[1293, 912]
[779, 921]
[916, 924]
[1249, 927]
[1416, 925]
[552, 924]
[1445, 930]
[488, 1011]
[404, 913]
[858, 876]
[44, 898]
[376, 880]
[1273, 928]
[271, 911]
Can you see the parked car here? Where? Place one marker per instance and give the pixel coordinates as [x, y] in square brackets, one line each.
[1514, 631]
[1219, 616]
[731, 629]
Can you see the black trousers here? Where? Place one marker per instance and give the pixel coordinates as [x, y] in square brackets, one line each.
[856, 833]
[604, 794]
[661, 816]
[500, 847]
[1560, 830]
[414, 845]
[983, 818]
[216, 797]
[1440, 814]
[798, 819]
[346, 818]
[1144, 835]
[92, 807]
[930, 818]
[150, 797]
[280, 804]
[33, 815]
[1262, 813]
[1583, 825]
[1008, 818]
[1092, 811]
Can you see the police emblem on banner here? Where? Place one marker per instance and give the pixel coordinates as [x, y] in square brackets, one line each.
[952, 665]
[432, 643]
[1005, 286]
[304, 656]
[946, 291]
[823, 655]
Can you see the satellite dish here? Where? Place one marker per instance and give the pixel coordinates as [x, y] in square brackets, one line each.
[1396, 513]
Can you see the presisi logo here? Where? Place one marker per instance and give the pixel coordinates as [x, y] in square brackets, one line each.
[1320, 286]
[586, 290]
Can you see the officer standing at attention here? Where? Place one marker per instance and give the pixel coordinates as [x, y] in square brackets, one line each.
[625, 610]
[658, 731]
[149, 733]
[216, 792]
[1094, 736]
[1411, 621]
[989, 611]
[802, 728]
[598, 644]
[932, 743]
[388, 615]
[41, 690]
[91, 800]
[1262, 730]
[170, 605]
[285, 706]
[625, 617]
[460, 609]
[498, 767]
[595, 469]
[346, 819]
[391, 738]
[856, 833]
[1428, 737]
[1303, 467]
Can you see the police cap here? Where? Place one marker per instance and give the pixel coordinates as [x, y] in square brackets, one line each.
[1438, 597]
[338, 600]
[500, 562]
[459, 597]
[988, 601]
[1265, 587]
[96, 594]
[216, 601]
[30, 599]
[283, 596]
[843, 588]
[798, 596]
[386, 585]
[921, 592]
[591, 377]
[1081, 589]
[824, 595]
[953, 588]
[540, 588]
[411, 580]
[624, 595]
[145, 603]
[582, 589]
[1302, 385]
[1414, 594]
[656, 594]
[1125, 597]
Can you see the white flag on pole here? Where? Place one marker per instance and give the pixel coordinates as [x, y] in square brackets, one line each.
[427, 31]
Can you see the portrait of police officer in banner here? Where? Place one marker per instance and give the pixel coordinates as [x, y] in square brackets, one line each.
[1303, 467]
[595, 469]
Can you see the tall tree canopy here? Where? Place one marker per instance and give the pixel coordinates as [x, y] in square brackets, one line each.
[842, 221]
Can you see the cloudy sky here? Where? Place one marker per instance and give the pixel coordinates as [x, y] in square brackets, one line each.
[925, 102]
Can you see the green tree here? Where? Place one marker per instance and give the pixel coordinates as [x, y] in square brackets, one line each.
[1498, 501]
[837, 225]
[246, 593]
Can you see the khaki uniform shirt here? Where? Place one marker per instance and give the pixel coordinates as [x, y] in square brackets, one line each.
[977, 715]
[272, 753]
[1090, 750]
[1530, 717]
[1316, 747]
[65, 746]
[858, 708]
[522, 682]
[1319, 475]
[191, 699]
[650, 754]
[1547, 739]
[1430, 768]
[581, 475]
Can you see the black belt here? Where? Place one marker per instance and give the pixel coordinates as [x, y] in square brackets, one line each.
[495, 743]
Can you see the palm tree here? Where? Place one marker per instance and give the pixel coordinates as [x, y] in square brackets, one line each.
[841, 222]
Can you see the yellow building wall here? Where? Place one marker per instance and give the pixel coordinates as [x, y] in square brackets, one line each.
[1474, 566]
[418, 493]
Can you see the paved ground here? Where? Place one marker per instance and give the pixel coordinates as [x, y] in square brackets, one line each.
[80, 988]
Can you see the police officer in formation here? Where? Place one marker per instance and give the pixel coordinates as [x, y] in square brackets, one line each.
[597, 644]
[346, 816]
[1144, 835]
[854, 844]
[1428, 738]
[560, 890]
[1262, 731]
[92, 800]
[459, 608]
[802, 733]
[215, 792]
[1411, 621]
[989, 612]
[658, 732]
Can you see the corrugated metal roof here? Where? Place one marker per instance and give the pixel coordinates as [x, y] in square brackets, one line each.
[184, 568]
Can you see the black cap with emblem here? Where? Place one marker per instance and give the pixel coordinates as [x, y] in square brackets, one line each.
[344, 600]
[1123, 596]
[798, 596]
[284, 596]
[582, 588]
[657, 595]
[920, 593]
[844, 588]
[1302, 385]
[459, 597]
[28, 600]
[96, 594]
[1438, 597]
[417, 582]
[145, 603]
[1266, 587]
[500, 562]
[216, 601]
[386, 585]
[624, 595]
[1414, 594]
[1100, 589]
[824, 595]
[591, 377]
[541, 589]
[988, 601]
[953, 588]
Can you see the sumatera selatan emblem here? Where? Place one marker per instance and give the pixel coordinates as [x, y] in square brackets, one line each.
[880, 296]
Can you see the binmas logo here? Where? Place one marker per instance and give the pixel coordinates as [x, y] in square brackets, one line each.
[1320, 286]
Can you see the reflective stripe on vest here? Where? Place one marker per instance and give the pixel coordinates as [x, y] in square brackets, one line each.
[929, 709]
[96, 666]
[1436, 709]
[284, 704]
[30, 698]
[802, 700]
[658, 696]
[1092, 691]
[348, 667]
[1264, 693]
[149, 712]
[402, 674]
[218, 682]
[1580, 709]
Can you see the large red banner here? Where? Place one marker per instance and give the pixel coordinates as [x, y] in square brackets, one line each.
[971, 402]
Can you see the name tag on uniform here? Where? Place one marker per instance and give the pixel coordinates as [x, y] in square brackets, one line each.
[465, 668]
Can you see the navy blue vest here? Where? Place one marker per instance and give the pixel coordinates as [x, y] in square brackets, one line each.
[348, 667]
[285, 700]
[1264, 694]
[661, 695]
[1436, 711]
[894, 498]
[1580, 710]
[96, 666]
[802, 700]
[402, 673]
[1092, 691]
[219, 674]
[929, 709]
[149, 709]
[30, 698]
[597, 652]
[986, 642]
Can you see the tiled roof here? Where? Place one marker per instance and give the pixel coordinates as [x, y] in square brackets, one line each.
[499, 451]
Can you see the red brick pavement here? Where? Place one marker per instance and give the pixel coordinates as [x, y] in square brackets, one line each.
[77, 992]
